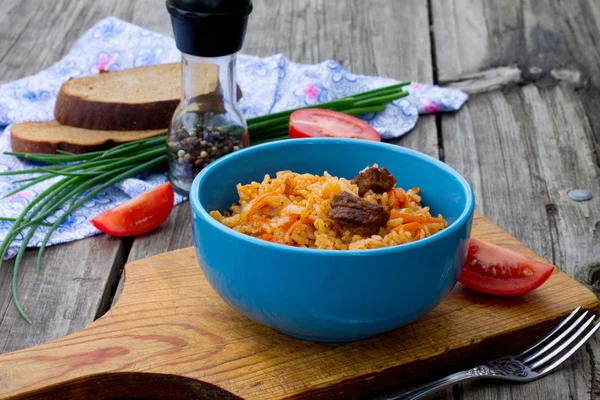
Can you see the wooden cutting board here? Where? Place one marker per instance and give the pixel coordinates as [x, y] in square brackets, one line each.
[169, 326]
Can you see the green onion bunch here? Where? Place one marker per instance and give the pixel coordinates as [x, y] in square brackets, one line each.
[83, 176]
[272, 127]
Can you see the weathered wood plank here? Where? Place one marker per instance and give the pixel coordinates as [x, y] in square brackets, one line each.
[74, 283]
[403, 52]
[547, 40]
[34, 35]
[565, 25]
[524, 148]
[78, 278]
[521, 159]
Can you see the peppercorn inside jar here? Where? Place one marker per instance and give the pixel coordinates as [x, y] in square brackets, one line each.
[194, 141]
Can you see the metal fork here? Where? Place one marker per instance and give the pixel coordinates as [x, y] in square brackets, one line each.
[538, 360]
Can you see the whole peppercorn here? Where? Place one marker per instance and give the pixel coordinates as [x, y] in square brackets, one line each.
[193, 147]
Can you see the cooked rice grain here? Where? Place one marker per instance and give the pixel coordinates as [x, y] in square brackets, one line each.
[292, 209]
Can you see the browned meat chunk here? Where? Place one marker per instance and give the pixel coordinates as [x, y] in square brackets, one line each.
[358, 215]
[378, 180]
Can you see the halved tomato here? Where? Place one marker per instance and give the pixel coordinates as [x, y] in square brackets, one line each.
[494, 270]
[316, 122]
[139, 215]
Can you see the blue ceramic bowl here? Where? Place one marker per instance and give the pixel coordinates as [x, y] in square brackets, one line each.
[329, 295]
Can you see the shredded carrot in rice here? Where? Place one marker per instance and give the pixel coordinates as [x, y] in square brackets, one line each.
[293, 219]
[303, 221]
[410, 227]
[267, 236]
[406, 217]
[399, 199]
[259, 202]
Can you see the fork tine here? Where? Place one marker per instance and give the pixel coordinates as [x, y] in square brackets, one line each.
[549, 334]
[556, 340]
[564, 345]
[568, 354]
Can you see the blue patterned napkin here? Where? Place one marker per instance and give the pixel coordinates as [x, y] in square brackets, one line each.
[269, 84]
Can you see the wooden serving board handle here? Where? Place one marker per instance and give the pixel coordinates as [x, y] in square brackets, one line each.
[171, 336]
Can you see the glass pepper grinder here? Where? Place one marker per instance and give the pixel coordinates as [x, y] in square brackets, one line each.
[208, 123]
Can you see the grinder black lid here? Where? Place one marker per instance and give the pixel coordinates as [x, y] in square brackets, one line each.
[209, 28]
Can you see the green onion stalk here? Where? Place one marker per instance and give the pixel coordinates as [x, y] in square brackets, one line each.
[79, 177]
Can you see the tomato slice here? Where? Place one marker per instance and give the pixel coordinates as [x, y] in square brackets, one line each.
[317, 122]
[139, 215]
[494, 270]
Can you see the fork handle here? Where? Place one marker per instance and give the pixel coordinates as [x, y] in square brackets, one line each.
[431, 387]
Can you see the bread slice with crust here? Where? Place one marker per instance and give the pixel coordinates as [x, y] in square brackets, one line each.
[141, 98]
[47, 137]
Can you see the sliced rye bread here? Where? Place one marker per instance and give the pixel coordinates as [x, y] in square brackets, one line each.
[140, 98]
[132, 99]
[47, 137]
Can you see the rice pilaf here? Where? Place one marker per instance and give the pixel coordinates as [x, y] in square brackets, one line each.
[293, 209]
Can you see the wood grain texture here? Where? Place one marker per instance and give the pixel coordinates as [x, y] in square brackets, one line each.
[524, 147]
[169, 321]
[530, 183]
[74, 284]
[548, 40]
[172, 235]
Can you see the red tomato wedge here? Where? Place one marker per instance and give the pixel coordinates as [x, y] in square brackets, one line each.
[139, 215]
[316, 122]
[494, 270]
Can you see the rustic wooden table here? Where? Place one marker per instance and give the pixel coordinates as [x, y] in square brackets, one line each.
[529, 133]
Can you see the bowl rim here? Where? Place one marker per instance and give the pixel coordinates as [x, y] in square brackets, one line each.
[198, 209]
